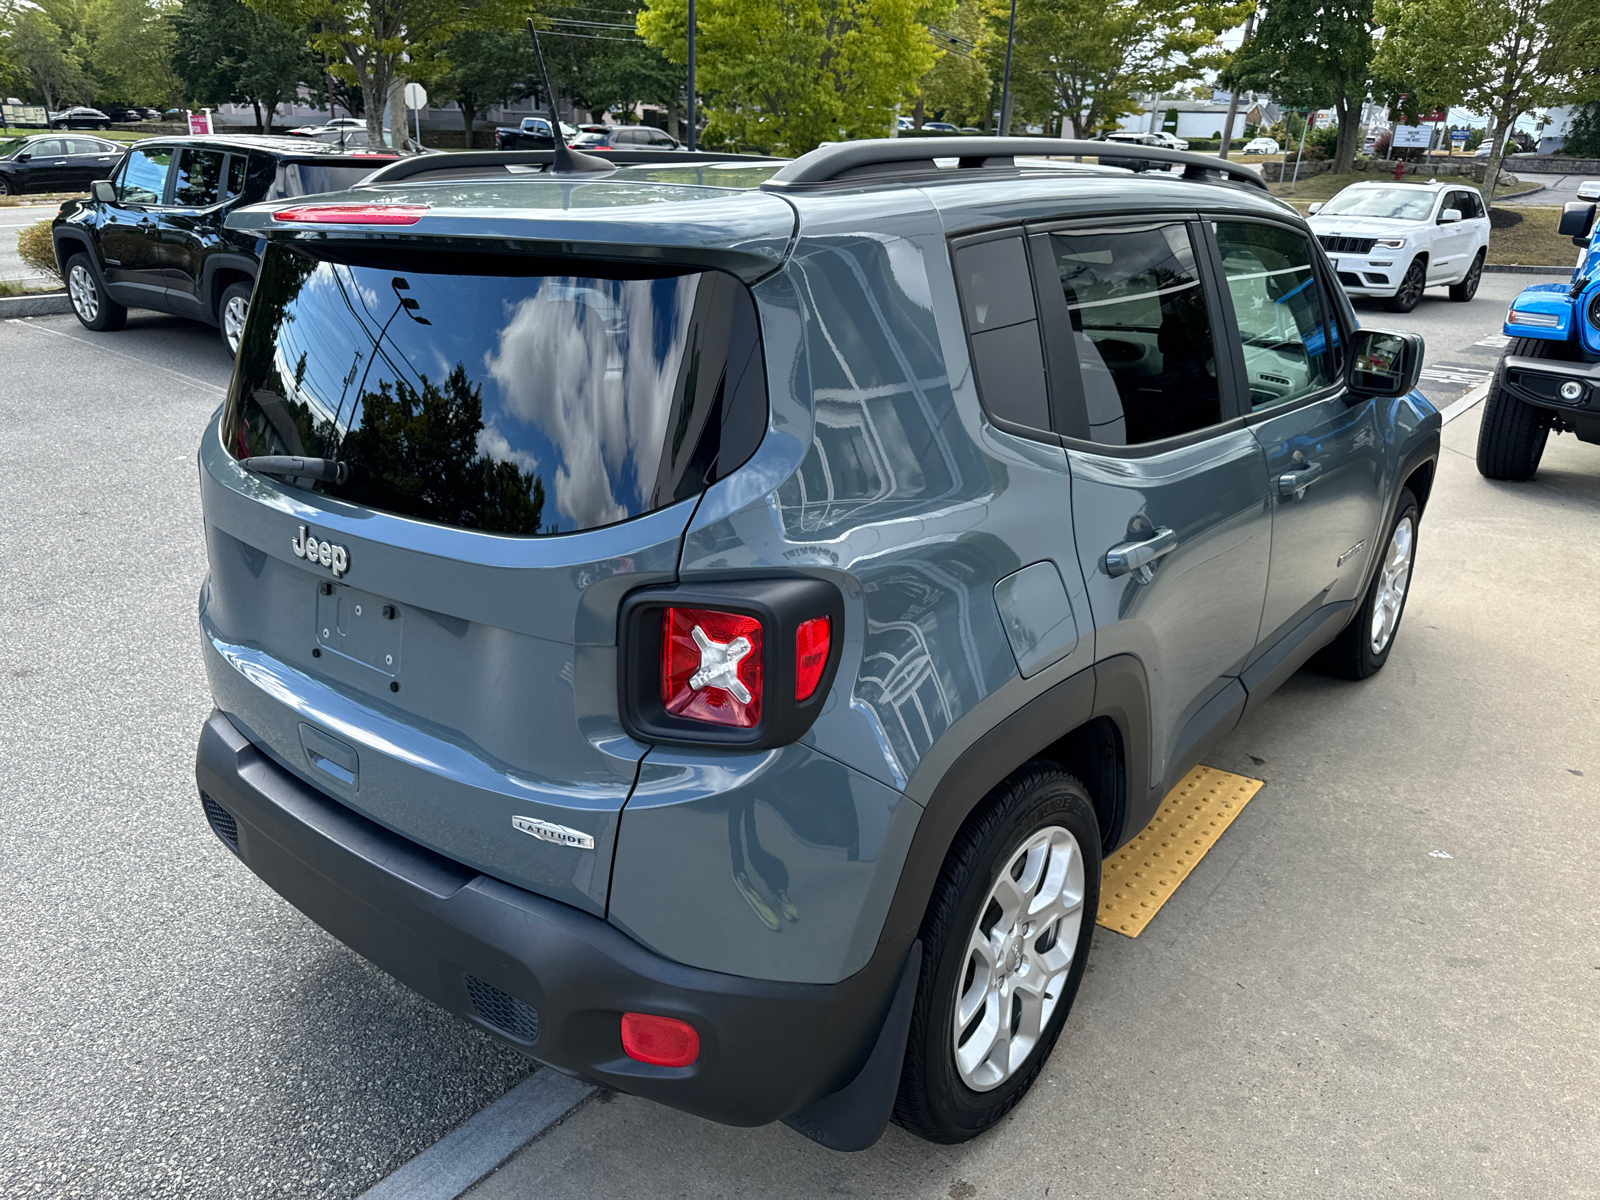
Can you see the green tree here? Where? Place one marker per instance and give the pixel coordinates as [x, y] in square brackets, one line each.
[371, 39]
[597, 57]
[1500, 57]
[224, 51]
[1088, 59]
[1583, 135]
[1312, 54]
[485, 66]
[42, 59]
[959, 87]
[786, 75]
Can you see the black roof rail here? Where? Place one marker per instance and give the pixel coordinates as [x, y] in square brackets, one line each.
[498, 164]
[859, 162]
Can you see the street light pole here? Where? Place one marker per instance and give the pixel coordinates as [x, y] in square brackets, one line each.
[691, 140]
[1005, 84]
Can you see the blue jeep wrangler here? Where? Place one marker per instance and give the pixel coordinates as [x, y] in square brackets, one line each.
[703, 622]
[1548, 380]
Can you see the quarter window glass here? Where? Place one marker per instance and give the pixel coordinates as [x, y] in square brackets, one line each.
[144, 180]
[1141, 330]
[236, 170]
[1289, 338]
[199, 176]
[83, 146]
[1003, 330]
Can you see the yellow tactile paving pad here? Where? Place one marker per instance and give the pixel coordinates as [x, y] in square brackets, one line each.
[1138, 879]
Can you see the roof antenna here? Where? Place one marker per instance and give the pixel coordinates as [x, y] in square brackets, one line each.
[565, 161]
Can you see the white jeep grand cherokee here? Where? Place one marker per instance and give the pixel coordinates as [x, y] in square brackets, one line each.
[1391, 240]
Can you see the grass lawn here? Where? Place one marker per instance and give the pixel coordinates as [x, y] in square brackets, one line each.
[1533, 242]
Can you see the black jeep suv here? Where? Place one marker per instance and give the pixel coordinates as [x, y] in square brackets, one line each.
[152, 235]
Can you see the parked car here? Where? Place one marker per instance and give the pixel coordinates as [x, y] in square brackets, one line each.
[1389, 241]
[152, 235]
[1133, 138]
[151, 114]
[940, 126]
[1262, 145]
[1548, 378]
[591, 141]
[642, 137]
[80, 118]
[124, 115]
[53, 163]
[532, 134]
[174, 114]
[335, 126]
[719, 720]
[970, 129]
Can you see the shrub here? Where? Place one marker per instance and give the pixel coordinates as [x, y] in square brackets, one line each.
[35, 248]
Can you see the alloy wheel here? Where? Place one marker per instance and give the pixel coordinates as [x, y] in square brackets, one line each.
[1018, 956]
[1394, 576]
[233, 315]
[1411, 286]
[85, 296]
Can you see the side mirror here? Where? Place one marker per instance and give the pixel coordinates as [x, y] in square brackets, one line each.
[103, 191]
[24, 157]
[1450, 216]
[1314, 209]
[1577, 218]
[1385, 363]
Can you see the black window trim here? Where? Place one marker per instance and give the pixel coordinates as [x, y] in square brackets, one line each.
[1067, 400]
[1322, 271]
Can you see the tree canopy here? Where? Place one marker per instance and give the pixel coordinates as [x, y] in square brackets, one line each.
[223, 51]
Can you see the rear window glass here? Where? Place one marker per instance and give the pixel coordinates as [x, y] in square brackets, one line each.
[532, 403]
[312, 179]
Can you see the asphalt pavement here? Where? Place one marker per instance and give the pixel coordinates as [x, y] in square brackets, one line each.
[1558, 189]
[13, 220]
[171, 1027]
[1384, 979]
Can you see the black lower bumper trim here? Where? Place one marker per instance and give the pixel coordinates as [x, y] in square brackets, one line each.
[767, 1049]
[1538, 381]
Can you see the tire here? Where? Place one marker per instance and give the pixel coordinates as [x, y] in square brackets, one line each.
[1468, 287]
[1512, 435]
[103, 125]
[231, 311]
[1412, 285]
[7, 188]
[1041, 818]
[1362, 649]
[93, 307]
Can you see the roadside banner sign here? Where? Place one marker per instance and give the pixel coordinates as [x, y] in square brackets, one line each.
[200, 124]
[1410, 136]
[24, 114]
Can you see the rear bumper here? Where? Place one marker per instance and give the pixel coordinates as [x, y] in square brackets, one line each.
[545, 978]
[1538, 381]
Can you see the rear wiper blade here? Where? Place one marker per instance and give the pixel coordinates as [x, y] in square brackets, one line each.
[324, 470]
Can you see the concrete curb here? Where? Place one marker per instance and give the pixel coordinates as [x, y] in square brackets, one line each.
[1519, 269]
[1519, 195]
[42, 305]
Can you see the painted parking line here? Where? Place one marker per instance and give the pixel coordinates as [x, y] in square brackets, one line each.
[482, 1142]
[1138, 879]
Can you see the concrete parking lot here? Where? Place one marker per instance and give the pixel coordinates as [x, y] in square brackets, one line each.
[1385, 979]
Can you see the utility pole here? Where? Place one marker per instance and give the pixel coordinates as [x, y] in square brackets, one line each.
[1005, 83]
[692, 140]
[1233, 94]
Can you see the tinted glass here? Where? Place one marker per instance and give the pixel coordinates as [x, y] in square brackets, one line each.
[312, 179]
[1003, 330]
[199, 178]
[526, 404]
[236, 171]
[1141, 330]
[1290, 341]
[144, 178]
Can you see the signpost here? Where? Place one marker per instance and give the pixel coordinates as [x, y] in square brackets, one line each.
[200, 123]
[1412, 137]
[417, 100]
[1458, 140]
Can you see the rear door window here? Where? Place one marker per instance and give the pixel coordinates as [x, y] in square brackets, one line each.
[144, 177]
[234, 182]
[199, 178]
[509, 396]
[1141, 331]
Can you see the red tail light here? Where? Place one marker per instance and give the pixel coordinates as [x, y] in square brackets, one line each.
[353, 214]
[661, 1041]
[711, 666]
[811, 644]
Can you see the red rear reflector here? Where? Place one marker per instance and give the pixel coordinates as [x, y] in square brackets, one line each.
[354, 214]
[661, 1041]
[711, 666]
[811, 643]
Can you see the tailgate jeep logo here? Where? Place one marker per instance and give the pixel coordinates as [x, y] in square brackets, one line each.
[307, 547]
[559, 834]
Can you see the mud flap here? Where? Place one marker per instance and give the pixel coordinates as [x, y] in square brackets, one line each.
[855, 1117]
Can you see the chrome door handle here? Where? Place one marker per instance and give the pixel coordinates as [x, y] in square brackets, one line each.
[1137, 557]
[1294, 483]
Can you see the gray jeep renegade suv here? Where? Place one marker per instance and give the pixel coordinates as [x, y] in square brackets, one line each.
[704, 624]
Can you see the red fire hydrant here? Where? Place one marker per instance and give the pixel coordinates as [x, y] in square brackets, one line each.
[1399, 169]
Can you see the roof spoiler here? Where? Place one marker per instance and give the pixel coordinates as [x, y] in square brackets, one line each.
[884, 158]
